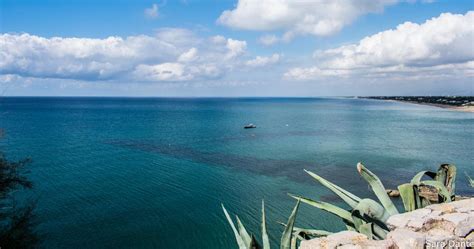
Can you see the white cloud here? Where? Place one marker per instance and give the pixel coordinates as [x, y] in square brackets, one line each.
[175, 72]
[171, 55]
[235, 48]
[439, 46]
[177, 36]
[218, 39]
[261, 61]
[162, 72]
[268, 40]
[152, 12]
[189, 55]
[320, 18]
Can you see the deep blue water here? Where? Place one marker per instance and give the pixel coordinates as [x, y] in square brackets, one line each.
[151, 173]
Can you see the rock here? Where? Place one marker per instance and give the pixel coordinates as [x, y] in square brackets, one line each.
[336, 240]
[414, 218]
[405, 238]
[446, 225]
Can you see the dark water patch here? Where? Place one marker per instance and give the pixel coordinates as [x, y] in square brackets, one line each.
[345, 175]
[246, 136]
[292, 169]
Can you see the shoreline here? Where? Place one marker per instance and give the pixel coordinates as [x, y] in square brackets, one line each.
[448, 107]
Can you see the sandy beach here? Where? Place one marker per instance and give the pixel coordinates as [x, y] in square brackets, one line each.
[449, 107]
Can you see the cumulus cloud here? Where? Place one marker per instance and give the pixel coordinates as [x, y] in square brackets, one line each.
[261, 61]
[175, 72]
[218, 39]
[188, 56]
[440, 46]
[268, 40]
[170, 55]
[152, 12]
[235, 48]
[320, 18]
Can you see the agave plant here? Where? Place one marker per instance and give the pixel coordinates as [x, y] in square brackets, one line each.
[246, 241]
[419, 194]
[366, 215]
[471, 182]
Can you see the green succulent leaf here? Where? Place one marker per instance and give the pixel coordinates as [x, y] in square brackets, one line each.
[367, 230]
[369, 211]
[287, 235]
[417, 178]
[409, 196]
[378, 188]
[293, 241]
[266, 241]
[312, 232]
[347, 196]
[471, 182]
[243, 233]
[373, 210]
[447, 176]
[344, 214]
[239, 239]
[308, 232]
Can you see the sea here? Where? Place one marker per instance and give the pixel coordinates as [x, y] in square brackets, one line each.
[153, 172]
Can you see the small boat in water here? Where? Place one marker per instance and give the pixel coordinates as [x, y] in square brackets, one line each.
[250, 126]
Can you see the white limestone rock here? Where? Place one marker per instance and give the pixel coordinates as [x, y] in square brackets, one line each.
[405, 238]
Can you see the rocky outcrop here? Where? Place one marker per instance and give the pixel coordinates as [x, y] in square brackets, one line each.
[447, 225]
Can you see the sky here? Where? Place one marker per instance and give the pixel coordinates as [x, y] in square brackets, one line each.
[191, 48]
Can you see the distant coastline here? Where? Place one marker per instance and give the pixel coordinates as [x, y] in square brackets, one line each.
[455, 103]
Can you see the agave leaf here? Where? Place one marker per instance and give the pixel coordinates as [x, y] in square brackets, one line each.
[286, 237]
[447, 176]
[379, 232]
[305, 231]
[372, 209]
[253, 243]
[239, 240]
[350, 228]
[266, 241]
[313, 232]
[417, 178]
[471, 182]
[369, 211]
[293, 241]
[347, 196]
[243, 233]
[378, 188]
[345, 215]
[301, 238]
[367, 230]
[442, 190]
[409, 196]
[424, 202]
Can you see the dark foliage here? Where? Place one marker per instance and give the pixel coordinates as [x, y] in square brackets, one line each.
[12, 175]
[16, 226]
[18, 230]
[434, 100]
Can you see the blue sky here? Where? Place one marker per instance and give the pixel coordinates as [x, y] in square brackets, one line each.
[236, 48]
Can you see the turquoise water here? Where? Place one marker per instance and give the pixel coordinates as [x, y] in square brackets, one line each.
[151, 173]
